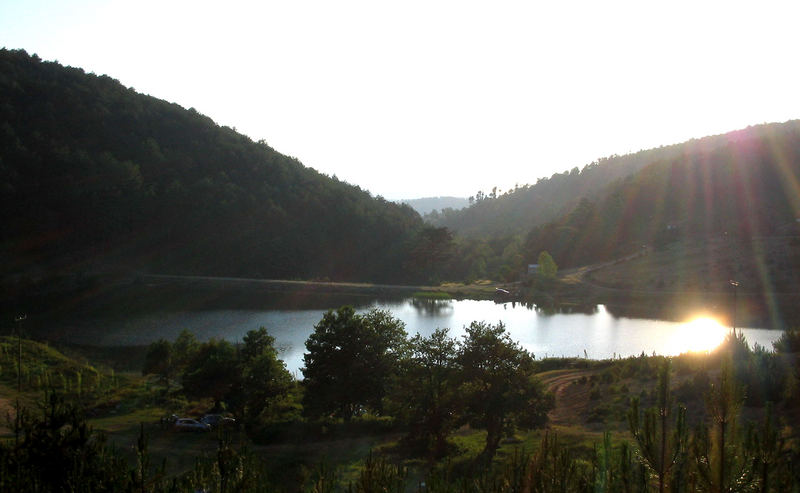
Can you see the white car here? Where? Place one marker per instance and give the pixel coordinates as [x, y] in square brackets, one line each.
[188, 424]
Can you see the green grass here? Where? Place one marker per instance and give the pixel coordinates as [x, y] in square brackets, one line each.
[128, 421]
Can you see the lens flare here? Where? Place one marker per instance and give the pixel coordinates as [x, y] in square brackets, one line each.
[700, 334]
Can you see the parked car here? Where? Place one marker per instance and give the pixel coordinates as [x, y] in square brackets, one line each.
[217, 420]
[188, 424]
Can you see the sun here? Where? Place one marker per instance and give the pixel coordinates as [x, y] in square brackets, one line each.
[700, 334]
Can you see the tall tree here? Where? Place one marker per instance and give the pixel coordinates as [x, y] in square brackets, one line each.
[547, 266]
[212, 372]
[662, 447]
[263, 380]
[499, 386]
[432, 249]
[721, 461]
[426, 393]
[159, 361]
[349, 361]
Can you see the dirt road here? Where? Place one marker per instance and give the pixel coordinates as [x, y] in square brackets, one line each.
[571, 400]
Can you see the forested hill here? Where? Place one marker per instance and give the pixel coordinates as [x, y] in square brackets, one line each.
[94, 175]
[739, 188]
[516, 211]
[737, 195]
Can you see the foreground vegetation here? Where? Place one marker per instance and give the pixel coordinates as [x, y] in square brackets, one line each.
[391, 413]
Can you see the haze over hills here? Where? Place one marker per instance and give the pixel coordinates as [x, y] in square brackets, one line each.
[523, 207]
[95, 176]
[427, 204]
[743, 186]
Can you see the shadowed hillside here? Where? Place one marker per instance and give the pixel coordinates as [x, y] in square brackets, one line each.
[95, 176]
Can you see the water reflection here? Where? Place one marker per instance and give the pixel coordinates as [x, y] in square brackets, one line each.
[700, 334]
[566, 308]
[593, 331]
[432, 308]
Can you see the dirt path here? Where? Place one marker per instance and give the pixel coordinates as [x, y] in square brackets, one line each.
[571, 400]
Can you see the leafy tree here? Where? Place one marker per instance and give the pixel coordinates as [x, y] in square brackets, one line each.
[212, 372]
[547, 266]
[158, 361]
[499, 387]
[257, 343]
[183, 349]
[349, 361]
[426, 394]
[263, 381]
[433, 247]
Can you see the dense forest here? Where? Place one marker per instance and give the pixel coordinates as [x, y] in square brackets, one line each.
[500, 213]
[738, 188]
[94, 176]
[742, 191]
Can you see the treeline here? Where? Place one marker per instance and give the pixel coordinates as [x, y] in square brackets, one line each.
[365, 364]
[507, 212]
[95, 176]
[702, 422]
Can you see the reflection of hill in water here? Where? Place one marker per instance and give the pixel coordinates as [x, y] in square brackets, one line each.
[564, 308]
[432, 308]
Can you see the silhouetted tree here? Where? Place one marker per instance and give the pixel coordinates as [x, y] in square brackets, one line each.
[263, 382]
[499, 387]
[212, 372]
[432, 249]
[426, 394]
[158, 361]
[349, 360]
[662, 445]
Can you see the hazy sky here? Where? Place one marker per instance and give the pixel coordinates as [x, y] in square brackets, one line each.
[410, 99]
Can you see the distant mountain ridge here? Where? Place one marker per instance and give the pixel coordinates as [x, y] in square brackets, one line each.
[518, 210]
[426, 205]
[93, 174]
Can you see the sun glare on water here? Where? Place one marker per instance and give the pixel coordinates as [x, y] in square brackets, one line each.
[700, 334]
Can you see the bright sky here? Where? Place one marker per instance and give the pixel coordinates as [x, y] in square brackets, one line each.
[424, 98]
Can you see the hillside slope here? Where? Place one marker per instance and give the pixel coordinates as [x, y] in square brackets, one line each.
[94, 175]
[519, 209]
[552, 199]
[741, 191]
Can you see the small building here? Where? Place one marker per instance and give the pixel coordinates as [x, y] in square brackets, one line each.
[533, 269]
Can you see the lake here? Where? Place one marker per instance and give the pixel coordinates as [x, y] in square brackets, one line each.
[593, 331]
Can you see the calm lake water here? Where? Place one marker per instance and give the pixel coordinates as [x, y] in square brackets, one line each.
[595, 332]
